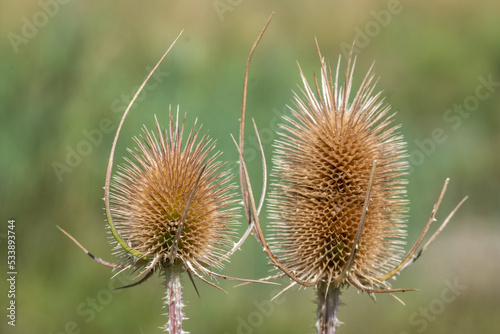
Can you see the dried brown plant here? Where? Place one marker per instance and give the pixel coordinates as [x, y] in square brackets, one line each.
[338, 201]
[323, 165]
[170, 209]
[172, 201]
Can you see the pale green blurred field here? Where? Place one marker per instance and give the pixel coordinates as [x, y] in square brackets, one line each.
[83, 62]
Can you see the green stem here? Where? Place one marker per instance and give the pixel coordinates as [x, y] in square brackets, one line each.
[173, 299]
[328, 302]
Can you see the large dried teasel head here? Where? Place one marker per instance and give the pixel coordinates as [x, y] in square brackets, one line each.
[322, 166]
[338, 204]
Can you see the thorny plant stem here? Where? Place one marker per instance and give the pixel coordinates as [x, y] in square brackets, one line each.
[173, 299]
[328, 303]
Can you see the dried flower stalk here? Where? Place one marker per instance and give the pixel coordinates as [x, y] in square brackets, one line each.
[323, 163]
[170, 209]
[338, 202]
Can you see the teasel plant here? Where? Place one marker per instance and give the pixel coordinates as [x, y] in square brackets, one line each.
[170, 209]
[338, 204]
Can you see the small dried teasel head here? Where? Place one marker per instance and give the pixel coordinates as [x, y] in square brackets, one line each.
[172, 202]
[322, 168]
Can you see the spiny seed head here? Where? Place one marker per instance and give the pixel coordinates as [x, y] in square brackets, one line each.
[151, 192]
[322, 168]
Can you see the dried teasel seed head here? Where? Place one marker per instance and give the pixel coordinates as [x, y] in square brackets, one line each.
[151, 193]
[322, 166]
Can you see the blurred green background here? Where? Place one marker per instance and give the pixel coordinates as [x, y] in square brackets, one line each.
[69, 67]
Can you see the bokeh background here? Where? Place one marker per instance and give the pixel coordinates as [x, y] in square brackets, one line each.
[68, 68]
